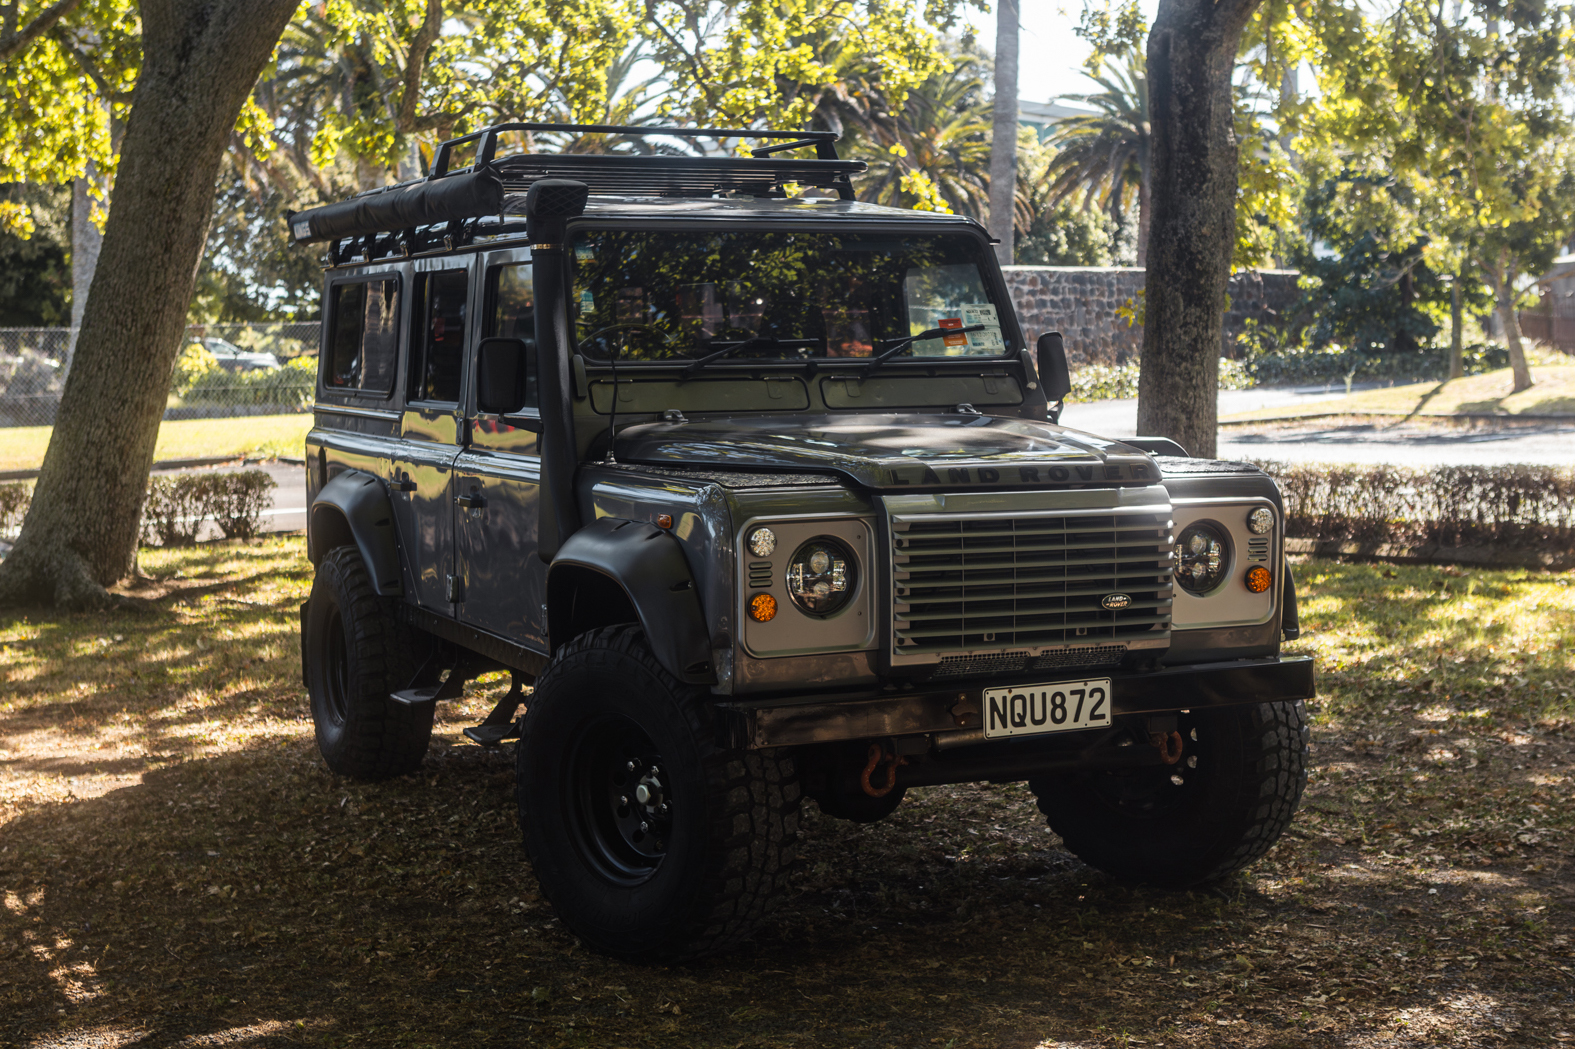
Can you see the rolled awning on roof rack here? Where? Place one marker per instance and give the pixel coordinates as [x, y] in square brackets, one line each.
[403, 207]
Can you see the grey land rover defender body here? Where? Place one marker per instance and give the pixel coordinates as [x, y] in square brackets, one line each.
[760, 491]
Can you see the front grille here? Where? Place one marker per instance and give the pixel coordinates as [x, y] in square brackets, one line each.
[1025, 583]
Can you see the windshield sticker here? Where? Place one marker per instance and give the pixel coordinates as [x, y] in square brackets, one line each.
[587, 301]
[988, 341]
[585, 253]
[952, 340]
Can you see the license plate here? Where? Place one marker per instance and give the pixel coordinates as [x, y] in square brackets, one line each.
[1034, 710]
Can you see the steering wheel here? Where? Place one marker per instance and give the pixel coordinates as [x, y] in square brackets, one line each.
[630, 326]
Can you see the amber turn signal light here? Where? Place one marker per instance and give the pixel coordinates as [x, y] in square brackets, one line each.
[762, 608]
[664, 520]
[1258, 579]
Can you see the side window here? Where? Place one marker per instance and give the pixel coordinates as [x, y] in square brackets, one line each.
[364, 337]
[512, 316]
[438, 342]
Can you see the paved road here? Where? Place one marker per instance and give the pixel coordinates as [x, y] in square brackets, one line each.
[1309, 443]
[1409, 445]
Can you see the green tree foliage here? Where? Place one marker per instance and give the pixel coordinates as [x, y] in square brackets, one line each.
[63, 92]
[35, 276]
[1438, 138]
[927, 146]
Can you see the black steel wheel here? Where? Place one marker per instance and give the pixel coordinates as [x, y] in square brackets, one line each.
[356, 655]
[652, 841]
[622, 798]
[1215, 811]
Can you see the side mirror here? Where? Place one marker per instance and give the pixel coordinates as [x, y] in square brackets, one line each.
[502, 375]
[1053, 374]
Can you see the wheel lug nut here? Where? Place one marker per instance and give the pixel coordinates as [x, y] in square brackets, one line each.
[644, 826]
[632, 766]
[623, 799]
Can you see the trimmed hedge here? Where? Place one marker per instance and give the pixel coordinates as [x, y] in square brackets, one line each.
[176, 505]
[1518, 506]
[1104, 382]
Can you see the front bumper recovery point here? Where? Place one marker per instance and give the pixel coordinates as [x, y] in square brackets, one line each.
[778, 722]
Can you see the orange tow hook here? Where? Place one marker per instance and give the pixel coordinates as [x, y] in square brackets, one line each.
[1169, 746]
[878, 757]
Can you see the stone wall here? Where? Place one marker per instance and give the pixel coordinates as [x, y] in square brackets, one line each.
[1081, 303]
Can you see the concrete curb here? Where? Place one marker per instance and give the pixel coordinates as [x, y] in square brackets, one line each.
[1433, 554]
[165, 465]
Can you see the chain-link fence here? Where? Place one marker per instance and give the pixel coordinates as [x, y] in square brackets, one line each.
[225, 370]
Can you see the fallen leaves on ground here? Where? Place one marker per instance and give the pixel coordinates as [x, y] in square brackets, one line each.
[179, 869]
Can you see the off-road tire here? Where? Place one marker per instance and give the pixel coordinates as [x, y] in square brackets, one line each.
[356, 655]
[1137, 826]
[711, 867]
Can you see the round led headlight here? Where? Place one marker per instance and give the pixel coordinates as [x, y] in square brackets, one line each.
[821, 576]
[1260, 521]
[762, 541]
[1202, 558]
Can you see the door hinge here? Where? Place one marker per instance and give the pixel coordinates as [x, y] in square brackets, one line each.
[456, 589]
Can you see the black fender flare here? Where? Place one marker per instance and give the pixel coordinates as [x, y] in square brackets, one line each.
[648, 566]
[355, 507]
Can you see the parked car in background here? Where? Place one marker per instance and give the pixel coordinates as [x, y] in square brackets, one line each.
[232, 358]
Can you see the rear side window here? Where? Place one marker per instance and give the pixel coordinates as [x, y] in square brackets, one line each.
[439, 339]
[364, 338]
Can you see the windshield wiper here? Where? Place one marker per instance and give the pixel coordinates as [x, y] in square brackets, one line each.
[903, 343]
[728, 351]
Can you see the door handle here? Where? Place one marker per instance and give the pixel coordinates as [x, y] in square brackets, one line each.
[402, 484]
[471, 500]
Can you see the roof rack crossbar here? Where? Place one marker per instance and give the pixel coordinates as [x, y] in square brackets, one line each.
[823, 141]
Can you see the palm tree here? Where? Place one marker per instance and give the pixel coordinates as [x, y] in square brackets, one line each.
[1106, 154]
[941, 131]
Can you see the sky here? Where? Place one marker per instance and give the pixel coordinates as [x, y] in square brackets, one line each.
[1050, 54]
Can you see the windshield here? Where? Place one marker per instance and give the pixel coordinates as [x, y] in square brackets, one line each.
[658, 295]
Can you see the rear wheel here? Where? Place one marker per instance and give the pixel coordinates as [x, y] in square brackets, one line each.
[652, 841]
[356, 655]
[1218, 809]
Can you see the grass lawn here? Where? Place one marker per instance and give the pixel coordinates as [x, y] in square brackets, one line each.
[178, 868]
[1552, 394]
[22, 447]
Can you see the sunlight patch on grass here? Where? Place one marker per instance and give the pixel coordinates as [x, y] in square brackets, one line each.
[256, 436]
[1553, 393]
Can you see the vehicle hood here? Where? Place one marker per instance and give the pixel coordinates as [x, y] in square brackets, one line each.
[904, 451]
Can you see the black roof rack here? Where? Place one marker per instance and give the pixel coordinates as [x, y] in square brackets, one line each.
[453, 196]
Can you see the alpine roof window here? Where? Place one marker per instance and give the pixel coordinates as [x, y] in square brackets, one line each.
[363, 346]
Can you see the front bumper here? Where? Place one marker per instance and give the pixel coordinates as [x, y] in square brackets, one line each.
[953, 712]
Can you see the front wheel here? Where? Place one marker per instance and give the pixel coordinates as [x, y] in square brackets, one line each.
[651, 840]
[1218, 809]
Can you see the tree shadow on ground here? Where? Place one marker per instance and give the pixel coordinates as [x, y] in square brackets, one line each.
[232, 891]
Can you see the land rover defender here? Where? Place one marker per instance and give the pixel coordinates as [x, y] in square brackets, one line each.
[759, 492]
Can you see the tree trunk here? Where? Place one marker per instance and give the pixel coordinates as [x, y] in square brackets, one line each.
[86, 241]
[1003, 136]
[1145, 210]
[1503, 277]
[1192, 232]
[1457, 335]
[200, 60]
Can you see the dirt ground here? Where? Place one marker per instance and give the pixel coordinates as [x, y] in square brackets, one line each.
[179, 869]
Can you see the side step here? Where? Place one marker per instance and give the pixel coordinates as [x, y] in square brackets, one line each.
[500, 724]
